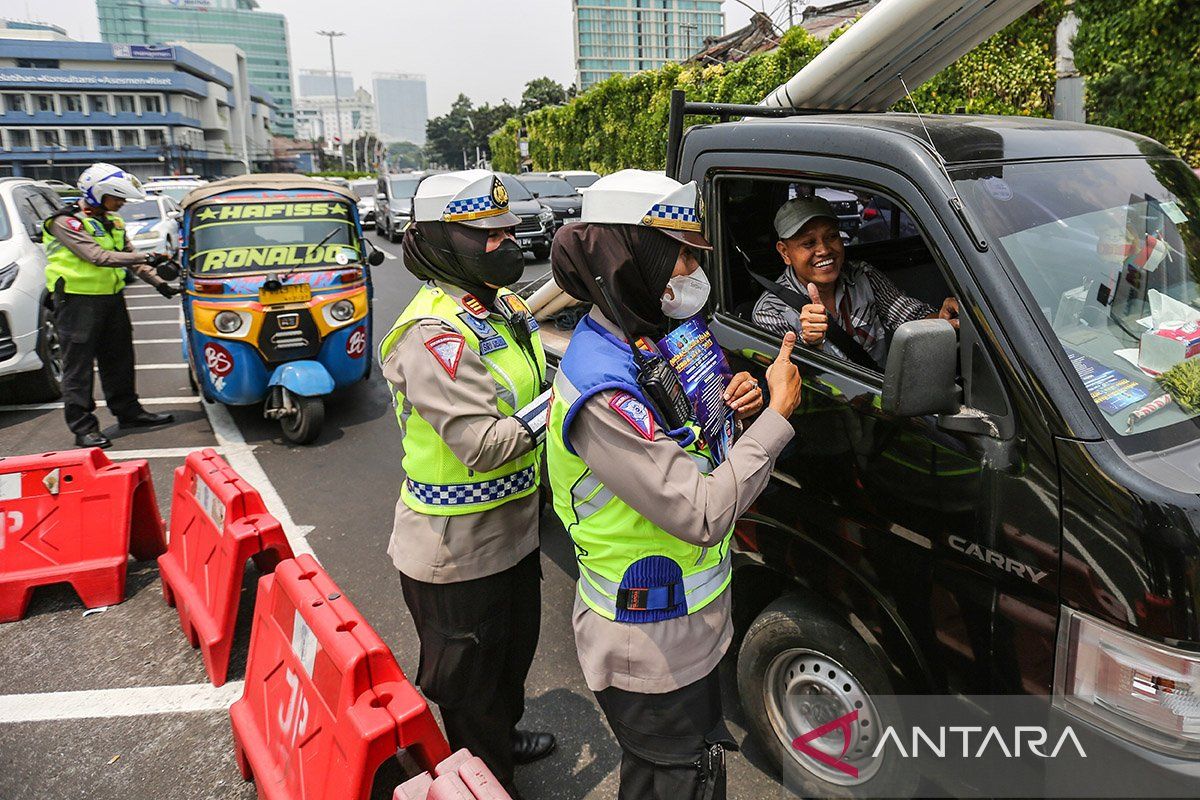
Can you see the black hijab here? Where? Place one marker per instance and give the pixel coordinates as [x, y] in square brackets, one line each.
[431, 252]
[635, 262]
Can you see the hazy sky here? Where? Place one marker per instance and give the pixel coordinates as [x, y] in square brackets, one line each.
[485, 49]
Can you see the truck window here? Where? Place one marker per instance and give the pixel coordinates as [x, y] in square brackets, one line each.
[887, 274]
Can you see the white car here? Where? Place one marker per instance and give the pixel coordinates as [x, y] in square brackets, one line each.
[175, 188]
[579, 178]
[30, 354]
[152, 225]
[364, 190]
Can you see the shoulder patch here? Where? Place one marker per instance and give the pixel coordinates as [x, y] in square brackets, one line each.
[474, 307]
[73, 223]
[635, 413]
[447, 348]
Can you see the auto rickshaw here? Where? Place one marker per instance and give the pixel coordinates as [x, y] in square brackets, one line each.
[277, 295]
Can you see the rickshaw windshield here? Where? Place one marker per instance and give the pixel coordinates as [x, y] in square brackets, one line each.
[272, 235]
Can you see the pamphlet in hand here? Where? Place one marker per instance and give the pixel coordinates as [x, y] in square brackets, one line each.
[697, 358]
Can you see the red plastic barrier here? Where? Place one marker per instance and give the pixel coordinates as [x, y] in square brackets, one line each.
[325, 702]
[217, 522]
[73, 517]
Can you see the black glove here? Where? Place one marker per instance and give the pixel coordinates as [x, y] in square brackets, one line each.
[156, 260]
[166, 290]
[163, 265]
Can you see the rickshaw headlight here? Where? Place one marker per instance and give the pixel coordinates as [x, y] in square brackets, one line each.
[227, 321]
[342, 310]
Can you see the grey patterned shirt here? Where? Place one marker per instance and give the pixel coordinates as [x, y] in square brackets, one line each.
[874, 305]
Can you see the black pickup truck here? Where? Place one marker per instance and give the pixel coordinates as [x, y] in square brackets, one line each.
[1001, 510]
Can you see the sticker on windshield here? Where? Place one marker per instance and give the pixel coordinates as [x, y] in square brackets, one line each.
[279, 255]
[240, 211]
[1110, 390]
[1174, 212]
[998, 188]
[344, 256]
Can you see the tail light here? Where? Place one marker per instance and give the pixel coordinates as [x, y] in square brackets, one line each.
[209, 287]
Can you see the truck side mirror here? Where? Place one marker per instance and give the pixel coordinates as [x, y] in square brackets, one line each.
[919, 378]
[375, 258]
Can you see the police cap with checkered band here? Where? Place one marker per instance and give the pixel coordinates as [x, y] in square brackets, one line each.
[473, 197]
[638, 197]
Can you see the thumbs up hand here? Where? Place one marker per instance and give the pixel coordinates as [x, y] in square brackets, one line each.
[783, 379]
[814, 319]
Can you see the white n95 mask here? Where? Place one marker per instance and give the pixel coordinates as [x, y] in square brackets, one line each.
[687, 295]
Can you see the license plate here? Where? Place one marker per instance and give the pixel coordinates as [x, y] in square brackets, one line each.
[288, 293]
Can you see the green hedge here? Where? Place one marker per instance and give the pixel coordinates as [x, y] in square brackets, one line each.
[1141, 58]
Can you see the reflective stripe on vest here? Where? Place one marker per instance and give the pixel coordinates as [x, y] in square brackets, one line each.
[78, 275]
[468, 494]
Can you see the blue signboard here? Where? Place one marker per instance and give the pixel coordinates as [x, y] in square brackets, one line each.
[144, 52]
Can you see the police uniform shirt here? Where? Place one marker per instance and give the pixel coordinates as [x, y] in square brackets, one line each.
[462, 409]
[70, 231]
[663, 484]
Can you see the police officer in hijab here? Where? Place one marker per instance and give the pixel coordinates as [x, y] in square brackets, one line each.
[637, 487]
[469, 375]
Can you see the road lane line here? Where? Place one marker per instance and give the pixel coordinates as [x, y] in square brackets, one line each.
[155, 321]
[132, 702]
[180, 365]
[145, 306]
[247, 465]
[176, 340]
[146, 401]
[176, 452]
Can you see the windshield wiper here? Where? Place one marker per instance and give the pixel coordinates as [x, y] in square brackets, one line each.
[317, 246]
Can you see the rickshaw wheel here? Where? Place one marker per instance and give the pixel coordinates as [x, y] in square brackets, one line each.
[305, 425]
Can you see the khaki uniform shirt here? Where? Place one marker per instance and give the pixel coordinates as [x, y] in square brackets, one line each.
[81, 243]
[448, 549]
[659, 480]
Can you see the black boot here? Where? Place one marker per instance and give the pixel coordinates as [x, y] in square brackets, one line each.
[528, 746]
[146, 419]
[92, 439]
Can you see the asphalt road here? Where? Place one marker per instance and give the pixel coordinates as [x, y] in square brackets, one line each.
[73, 723]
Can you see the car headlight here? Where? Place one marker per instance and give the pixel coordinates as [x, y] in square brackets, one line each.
[1132, 687]
[146, 235]
[8, 275]
[342, 310]
[227, 322]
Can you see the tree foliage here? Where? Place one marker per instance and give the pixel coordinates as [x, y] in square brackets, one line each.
[462, 129]
[405, 155]
[540, 93]
[1141, 60]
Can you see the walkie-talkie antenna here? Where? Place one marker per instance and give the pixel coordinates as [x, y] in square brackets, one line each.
[941, 161]
[638, 356]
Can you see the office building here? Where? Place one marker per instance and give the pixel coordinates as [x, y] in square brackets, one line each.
[29, 29]
[624, 37]
[319, 83]
[262, 36]
[317, 117]
[402, 105]
[151, 109]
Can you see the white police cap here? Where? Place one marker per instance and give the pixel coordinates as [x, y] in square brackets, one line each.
[473, 197]
[638, 197]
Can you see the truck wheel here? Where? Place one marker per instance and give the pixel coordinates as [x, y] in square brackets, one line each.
[392, 236]
[46, 383]
[305, 425]
[798, 669]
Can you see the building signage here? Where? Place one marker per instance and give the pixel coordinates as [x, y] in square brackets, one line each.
[67, 79]
[144, 52]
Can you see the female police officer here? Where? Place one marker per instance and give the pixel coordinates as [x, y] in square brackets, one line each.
[650, 516]
[469, 373]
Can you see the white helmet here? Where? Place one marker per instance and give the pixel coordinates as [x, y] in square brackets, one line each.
[100, 180]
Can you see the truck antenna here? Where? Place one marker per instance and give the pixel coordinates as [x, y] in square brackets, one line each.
[936, 152]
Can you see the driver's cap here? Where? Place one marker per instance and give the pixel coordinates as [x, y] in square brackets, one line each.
[638, 197]
[473, 197]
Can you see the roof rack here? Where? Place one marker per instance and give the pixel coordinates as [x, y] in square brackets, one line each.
[680, 108]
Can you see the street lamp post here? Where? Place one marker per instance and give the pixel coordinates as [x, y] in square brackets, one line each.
[337, 100]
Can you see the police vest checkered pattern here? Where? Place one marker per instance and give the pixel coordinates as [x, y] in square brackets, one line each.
[473, 493]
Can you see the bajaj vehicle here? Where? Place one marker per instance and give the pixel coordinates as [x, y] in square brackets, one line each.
[277, 303]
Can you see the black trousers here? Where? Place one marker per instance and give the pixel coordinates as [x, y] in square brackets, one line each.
[477, 643]
[95, 329]
[673, 745]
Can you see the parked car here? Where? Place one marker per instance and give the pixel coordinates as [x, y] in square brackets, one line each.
[30, 354]
[152, 225]
[536, 228]
[579, 178]
[364, 190]
[393, 202]
[556, 194]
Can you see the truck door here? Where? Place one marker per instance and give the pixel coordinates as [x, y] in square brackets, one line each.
[934, 522]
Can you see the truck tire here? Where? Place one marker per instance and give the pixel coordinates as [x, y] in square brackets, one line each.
[44, 384]
[305, 426]
[800, 668]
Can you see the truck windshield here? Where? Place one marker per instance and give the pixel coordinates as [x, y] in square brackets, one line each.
[271, 236]
[1110, 250]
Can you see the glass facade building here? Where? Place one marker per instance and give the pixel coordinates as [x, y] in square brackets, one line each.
[623, 37]
[403, 107]
[319, 83]
[261, 35]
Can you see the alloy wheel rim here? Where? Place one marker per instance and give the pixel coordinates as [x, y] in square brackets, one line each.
[53, 350]
[805, 689]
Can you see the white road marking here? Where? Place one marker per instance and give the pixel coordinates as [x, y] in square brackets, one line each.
[155, 321]
[388, 255]
[176, 452]
[245, 464]
[160, 303]
[146, 401]
[180, 365]
[176, 340]
[132, 702]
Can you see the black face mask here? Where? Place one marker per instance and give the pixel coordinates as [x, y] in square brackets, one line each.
[502, 266]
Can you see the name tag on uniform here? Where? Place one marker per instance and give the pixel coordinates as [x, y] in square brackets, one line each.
[490, 339]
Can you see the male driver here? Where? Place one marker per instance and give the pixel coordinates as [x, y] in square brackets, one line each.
[851, 294]
[87, 253]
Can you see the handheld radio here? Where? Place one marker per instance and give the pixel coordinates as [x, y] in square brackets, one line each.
[658, 381]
